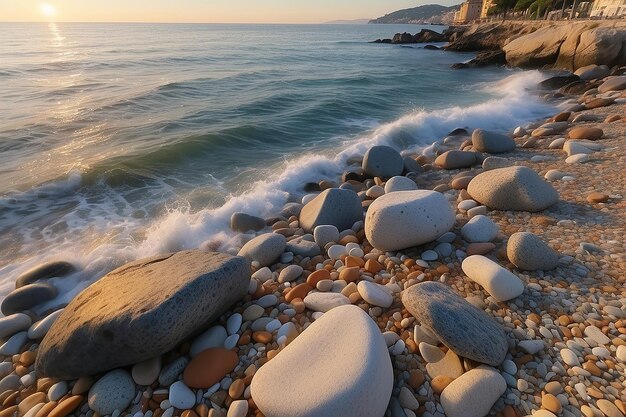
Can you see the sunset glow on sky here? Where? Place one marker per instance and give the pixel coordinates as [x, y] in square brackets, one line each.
[218, 11]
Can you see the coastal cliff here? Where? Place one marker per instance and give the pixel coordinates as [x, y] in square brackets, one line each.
[561, 45]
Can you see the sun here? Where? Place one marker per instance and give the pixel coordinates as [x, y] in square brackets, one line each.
[47, 10]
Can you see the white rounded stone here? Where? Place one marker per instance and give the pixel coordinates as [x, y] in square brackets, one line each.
[399, 183]
[354, 381]
[499, 282]
[57, 391]
[479, 229]
[114, 391]
[290, 273]
[473, 393]
[405, 219]
[337, 251]
[262, 275]
[14, 323]
[325, 301]
[212, 338]
[181, 396]
[325, 234]
[375, 294]
[146, 372]
[569, 357]
[233, 323]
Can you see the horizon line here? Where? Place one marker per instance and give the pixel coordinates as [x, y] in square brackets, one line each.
[192, 23]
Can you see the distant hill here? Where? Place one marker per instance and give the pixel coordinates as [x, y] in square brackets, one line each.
[429, 13]
[348, 22]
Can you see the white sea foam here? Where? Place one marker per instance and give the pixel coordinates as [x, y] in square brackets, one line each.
[103, 235]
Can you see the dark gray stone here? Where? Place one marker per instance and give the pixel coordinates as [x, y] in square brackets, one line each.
[465, 329]
[491, 142]
[528, 252]
[242, 222]
[141, 310]
[337, 207]
[383, 161]
[44, 271]
[27, 297]
[265, 249]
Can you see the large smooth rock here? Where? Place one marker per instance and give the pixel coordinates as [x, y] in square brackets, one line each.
[593, 72]
[27, 297]
[527, 251]
[405, 219]
[536, 49]
[513, 188]
[456, 159]
[382, 161]
[141, 310]
[491, 142]
[44, 271]
[242, 222]
[465, 329]
[339, 366]
[336, 207]
[114, 391]
[473, 393]
[501, 283]
[601, 45]
[613, 84]
[265, 249]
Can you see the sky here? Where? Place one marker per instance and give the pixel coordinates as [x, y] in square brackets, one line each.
[202, 11]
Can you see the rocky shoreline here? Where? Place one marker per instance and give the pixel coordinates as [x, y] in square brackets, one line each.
[530, 44]
[483, 276]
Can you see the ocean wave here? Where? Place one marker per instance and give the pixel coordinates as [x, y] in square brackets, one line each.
[121, 220]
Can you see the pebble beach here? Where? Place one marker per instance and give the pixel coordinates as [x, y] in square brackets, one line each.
[482, 276]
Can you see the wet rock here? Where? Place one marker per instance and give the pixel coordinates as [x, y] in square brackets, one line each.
[141, 310]
[242, 222]
[491, 142]
[27, 297]
[265, 249]
[383, 161]
[44, 271]
[336, 207]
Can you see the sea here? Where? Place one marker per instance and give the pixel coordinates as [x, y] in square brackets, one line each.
[121, 141]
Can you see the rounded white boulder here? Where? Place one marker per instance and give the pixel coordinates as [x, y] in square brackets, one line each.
[473, 393]
[501, 283]
[404, 219]
[343, 367]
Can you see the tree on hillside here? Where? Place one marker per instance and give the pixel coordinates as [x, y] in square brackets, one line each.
[502, 7]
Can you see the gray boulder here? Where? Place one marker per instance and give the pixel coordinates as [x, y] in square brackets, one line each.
[456, 159]
[528, 252]
[336, 207]
[491, 142]
[465, 329]
[513, 188]
[242, 222]
[27, 297]
[593, 72]
[141, 310]
[383, 161]
[265, 249]
[613, 84]
[44, 271]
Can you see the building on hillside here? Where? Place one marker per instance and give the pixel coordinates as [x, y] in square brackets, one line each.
[608, 8]
[485, 8]
[470, 11]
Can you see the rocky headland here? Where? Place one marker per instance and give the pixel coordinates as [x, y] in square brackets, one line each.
[532, 44]
[482, 276]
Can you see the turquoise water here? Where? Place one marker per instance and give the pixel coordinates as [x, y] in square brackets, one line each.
[124, 140]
